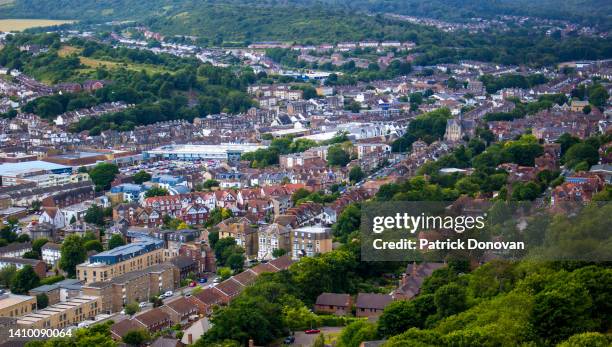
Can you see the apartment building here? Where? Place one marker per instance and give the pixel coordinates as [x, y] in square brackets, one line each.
[12, 305]
[64, 314]
[310, 240]
[135, 286]
[107, 265]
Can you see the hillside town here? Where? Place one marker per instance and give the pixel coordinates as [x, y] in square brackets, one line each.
[157, 226]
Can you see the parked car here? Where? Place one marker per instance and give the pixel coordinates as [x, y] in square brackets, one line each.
[312, 331]
[289, 340]
[168, 294]
[143, 304]
[192, 284]
[203, 280]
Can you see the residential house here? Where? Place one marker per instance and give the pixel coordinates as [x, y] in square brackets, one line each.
[53, 216]
[371, 304]
[412, 280]
[51, 253]
[180, 309]
[338, 304]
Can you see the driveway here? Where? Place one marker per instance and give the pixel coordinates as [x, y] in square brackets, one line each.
[304, 340]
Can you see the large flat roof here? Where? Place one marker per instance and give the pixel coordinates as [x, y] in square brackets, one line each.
[13, 299]
[194, 149]
[14, 169]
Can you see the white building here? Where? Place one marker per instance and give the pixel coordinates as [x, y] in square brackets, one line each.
[53, 216]
[225, 152]
[51, 253]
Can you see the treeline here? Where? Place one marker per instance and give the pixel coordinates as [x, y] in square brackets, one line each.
[427, 127]
[280, 302]
[236, 23]
[504, 304]
[493, 84]
[350, 73]
[269, 156]
[186, 90]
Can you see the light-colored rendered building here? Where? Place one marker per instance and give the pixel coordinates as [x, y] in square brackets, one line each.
[310, 240]
[12, 305]
[224, 152]
[51, 253]
[63, 314]
[123, 259]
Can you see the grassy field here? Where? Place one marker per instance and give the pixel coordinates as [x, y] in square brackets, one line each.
[93, 63]
[22, 24]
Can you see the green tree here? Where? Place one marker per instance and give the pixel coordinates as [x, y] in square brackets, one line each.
[131, 308]
[299, 194]
[73, 253]
[337, 156]
[355, 333]
[450, 299]
[42, 301]
[598, 95]
[561, 311]
[236, 321]
[566, 141]
[38, 243]
[581, 152]
[115, 241]
[402, 315]
[236, 261]
[24, 280]
[208, 184]
[592, 339]
[7, 274]
[141, 177]
[136, 337]
[278, 252]
[23, 238]
[156, 191]
[356, 174]
[348, 222]
[224, 273]
[103, 174]
[31, 255]
[93, 245]
[213, 237]
[95, 215]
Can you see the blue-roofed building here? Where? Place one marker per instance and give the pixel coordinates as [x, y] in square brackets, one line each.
[120, 260]
[131, 192]
[125, 252]
[174, 184]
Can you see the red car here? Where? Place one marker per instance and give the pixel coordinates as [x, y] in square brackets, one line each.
[192, 284]
[312, 331]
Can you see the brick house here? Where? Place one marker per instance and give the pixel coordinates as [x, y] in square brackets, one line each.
[338, 304]
[371, 304]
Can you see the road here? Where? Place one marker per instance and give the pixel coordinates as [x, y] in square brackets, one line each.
[304, 340]
[187, 290]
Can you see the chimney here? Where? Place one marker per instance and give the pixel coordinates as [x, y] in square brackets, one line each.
[189, 339]
[414, 269]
